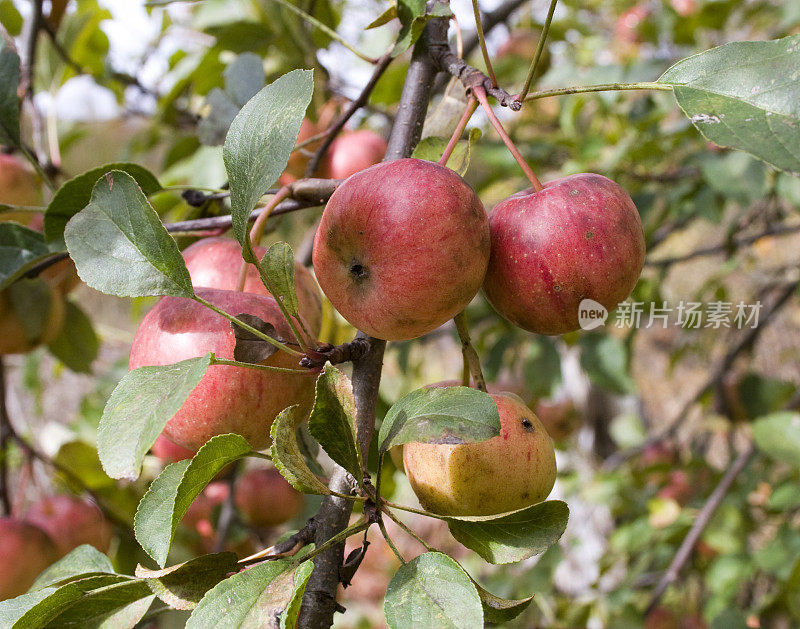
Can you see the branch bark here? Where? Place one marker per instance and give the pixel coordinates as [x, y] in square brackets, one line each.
[5, 441]
[319, 600]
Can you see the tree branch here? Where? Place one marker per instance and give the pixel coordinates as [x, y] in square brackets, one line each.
[5, 439]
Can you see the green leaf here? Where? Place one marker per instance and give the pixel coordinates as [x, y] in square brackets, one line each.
[171, 494]
[182, 586]
[20, 249]
[452, 415]
[745, 95]
[9, 102]
[384, 18]
[12, 609]
[498, 610]
[434, 592]
[301, 576]
[278, 265]
[31, 299]
[778, 435]
[762, 396]
[82, 461]
[333, 420]
[250, 348]
[84, 559]
[413, 17]
[245, 600]
[515, 536]
[120, 247]
[605, 360]
[287, 457]
[75, 194]
[432, 149]
[139, 408]
[76, 344]
[259, 142]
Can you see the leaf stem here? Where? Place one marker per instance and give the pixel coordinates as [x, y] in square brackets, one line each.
[471, 358]
[539, 49]
[327, 30]
[389, 541]
[601, 87]
[353, 529]
[480, 94]
[394, 505]
[409, 531]
[251, 329]
[482, 41]
[472, 105]
[236, 363]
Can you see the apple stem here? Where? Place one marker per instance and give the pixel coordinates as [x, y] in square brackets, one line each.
[482, 41]
[480, 94]
[471, 359]
[258, 229]
[538, 56]
[472, 105]
[409, 531]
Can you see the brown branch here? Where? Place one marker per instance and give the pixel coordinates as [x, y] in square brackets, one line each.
[358, 103]
[700, 523]
[335, 354]
[5, 440]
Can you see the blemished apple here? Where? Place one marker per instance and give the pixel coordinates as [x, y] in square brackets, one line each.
[228, 399]
[354, 151]
[18, 335]
[578, 238]
[401, 248]
[17, 187]
[215, 263]
[167, 452]
[514, 470]
[265, 498]
[25, 551]
[70, 522]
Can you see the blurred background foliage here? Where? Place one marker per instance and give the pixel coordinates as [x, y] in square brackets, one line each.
[159, 84]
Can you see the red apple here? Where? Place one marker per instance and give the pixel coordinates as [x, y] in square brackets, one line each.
[227, 399]
[354, 151]
[71, 522]
[15, 336]
[401, 248]
[215, 263]
[168, 452]
[17, 187]
[514, 470]
[200, 514]
[25, 550]
[265, 498]
[580, 237]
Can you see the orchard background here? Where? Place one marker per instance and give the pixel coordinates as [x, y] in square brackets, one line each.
[677, 445]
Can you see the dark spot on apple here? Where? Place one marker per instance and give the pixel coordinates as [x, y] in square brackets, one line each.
[557, 288]
[358, 271]
[527, 425]
[589, 235]
[525, 495]
[573, 193]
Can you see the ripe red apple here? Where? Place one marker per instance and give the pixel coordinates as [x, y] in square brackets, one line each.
[580, 237]
[514, 470]
[25, 550]
[14, 337]
[17, 187]
[168, 452]
[71, 522]
[215, 263]
[265, 498]
[354, 151]
[227, 399]
[401, 248]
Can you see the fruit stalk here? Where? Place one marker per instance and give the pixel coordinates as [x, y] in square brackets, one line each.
[472, 105]
[471, 359]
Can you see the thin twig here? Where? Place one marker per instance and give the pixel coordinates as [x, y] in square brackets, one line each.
[539, 50]
[700, 523]
[482, 41]
[335, 354]
[5, 440]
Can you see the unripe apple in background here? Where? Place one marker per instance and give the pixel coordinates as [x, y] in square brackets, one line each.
[265, 498]
[71, 522]
[17, 187]
[580, 237]
[25, 551]
[514, 470]
[241, 400]
[18, 333]
[353, 151]
[215, 263]
[168, 452]
[401, 248]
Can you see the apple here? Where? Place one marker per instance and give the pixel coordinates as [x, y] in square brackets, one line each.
[580, 237]
[215, 263]
[514, 470]
[168, 452]
[25, 551]
[71, 522]
[17, 187]
[228, 399]
[402, 247]
[265, 498]
[354, 151]
[62, 275]
[200, 513]
[15, 336]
